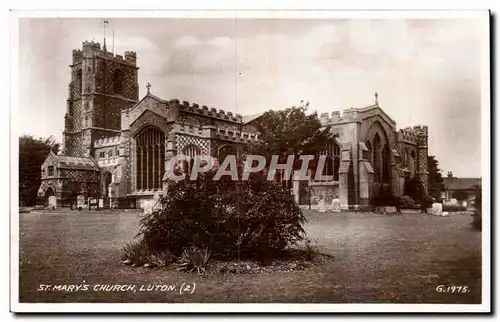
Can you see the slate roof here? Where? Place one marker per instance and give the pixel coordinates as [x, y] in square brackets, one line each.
[67, 162]
[460, 183]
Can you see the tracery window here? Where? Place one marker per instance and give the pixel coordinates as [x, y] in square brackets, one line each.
[150, 158]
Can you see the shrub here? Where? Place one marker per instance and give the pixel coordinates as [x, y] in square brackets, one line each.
[248, 218]
[415, 189]
[193, 259]
[386, 199]
[407, 202]
[136, 253]
[454, 208]
[161, 259]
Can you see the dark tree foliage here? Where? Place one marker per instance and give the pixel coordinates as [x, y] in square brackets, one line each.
[415, 190]
[251, 219]
[32, 153]
[436, 185]
[291, 132]
[460, 195]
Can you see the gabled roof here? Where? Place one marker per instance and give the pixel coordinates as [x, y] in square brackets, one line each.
[460, 183]
[71, 162]
[249, 118]
[148, 95]
[144, 113]
[377, 107]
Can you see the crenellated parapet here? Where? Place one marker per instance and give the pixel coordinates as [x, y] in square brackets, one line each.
[213, 132]
[77, 55]
[421, 130]
[204, 110]
[327, 119]
[91, 49]
[416, 135]
[407, 135]
[108, 141]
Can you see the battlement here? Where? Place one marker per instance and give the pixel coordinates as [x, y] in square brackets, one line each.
[109, 141]
[217, 132]
[77, 55]
[326, 119]
[93, 49]
[91, 44]
[421, 130]
[206, 111]
[412, 134]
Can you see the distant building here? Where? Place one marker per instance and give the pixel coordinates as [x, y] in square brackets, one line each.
[452, 184]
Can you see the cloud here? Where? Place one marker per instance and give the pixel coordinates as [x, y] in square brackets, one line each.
[190, 55]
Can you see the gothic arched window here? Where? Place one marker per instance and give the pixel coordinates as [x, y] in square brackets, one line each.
[150, 158]
[376, 157]
[118, 81]
[332, 161]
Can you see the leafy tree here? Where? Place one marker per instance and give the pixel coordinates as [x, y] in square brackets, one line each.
[436, 185]
[460, 195]
[291, 132]
[415, 190]
[32, 153]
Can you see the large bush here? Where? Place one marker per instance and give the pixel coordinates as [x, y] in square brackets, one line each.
[254, 218]
[454, 208]
[407, 202]
[415, 190]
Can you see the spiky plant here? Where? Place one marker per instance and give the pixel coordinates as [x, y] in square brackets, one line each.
[136, 253]
[161, 259]
[193, 259]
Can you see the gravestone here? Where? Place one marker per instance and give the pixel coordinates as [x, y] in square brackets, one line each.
[157, 201]
[437, 209]
[390, 210]
[321, 206]
[52, 202]
[80, 202]
[148, 207]
[93, 203]
[453, 201]
[336, 205]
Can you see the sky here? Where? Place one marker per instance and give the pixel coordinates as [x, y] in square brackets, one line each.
[425, 71]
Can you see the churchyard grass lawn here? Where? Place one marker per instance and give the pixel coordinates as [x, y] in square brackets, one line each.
[378, 259]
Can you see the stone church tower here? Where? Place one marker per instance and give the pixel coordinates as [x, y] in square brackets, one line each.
[102, 84]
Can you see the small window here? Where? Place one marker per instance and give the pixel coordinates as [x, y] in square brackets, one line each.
[101, 155]
[117, 81]
[50, 171]
[79, 80]
[110, 153]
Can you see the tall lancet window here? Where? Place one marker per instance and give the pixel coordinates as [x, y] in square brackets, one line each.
[150, 158]
[118, 82]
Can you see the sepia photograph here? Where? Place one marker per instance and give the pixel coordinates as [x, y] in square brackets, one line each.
[250, 161]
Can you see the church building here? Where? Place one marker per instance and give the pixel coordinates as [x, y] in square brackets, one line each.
[116, 145]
